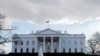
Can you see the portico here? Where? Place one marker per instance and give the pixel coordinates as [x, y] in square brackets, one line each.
[49, 43]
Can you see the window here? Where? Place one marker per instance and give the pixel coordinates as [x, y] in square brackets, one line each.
[27, 50]
[69, 50]
[15, 50]
[64, 50]
[16, 42]
[81, 49]
[75, 42]
[81, 43]
[75, 50]
[69, 41]
[27, 42]
[21, 50]
[21, 42]
[63, 41]
[32, 50]
[32, 42]
[55, 50]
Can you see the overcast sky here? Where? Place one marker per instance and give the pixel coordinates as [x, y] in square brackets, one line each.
[74, 16]
[38, 11]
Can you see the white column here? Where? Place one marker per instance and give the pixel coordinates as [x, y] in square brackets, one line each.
[52, 44]
[59, 44]
[44, 44]
[36, 47]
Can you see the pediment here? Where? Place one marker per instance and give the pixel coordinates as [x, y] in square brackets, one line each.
[48, 31]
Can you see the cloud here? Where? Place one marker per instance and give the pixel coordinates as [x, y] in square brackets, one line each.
[38, 11]
[94, 27]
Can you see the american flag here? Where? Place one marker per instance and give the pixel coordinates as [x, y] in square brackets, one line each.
[47, 21]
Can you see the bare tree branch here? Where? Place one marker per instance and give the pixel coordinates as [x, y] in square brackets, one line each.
[93, 44]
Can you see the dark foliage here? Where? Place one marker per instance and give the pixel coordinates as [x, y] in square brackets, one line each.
[48, 54]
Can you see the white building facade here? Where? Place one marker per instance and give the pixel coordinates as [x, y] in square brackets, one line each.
[51, 41]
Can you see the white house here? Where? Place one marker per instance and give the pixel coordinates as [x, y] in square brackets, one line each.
[50, 40]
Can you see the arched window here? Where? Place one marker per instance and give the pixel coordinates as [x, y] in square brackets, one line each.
[75, 50]
[27, 42]
[27, 50]
[15, 50]
[69, 50]
[21, 50]
[21, 42]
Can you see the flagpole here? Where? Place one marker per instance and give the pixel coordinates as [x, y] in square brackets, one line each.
[47, 25]
[64, 25]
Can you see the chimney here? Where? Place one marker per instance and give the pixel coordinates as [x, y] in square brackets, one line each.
[65, 32]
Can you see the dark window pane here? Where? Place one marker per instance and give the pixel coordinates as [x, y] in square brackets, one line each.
[15, 50]
[69, 41]
[75, 50]
[21, 42]
[69, 50]
[33, 42]
[75, 42]
[81, 49]
[21, 50]
[81, 42]
[16, 42]
[27, 42]
[64, 50]
[27, 50]
[32, 50]
[55, 50]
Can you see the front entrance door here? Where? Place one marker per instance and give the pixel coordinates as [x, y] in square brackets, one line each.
[48, 47]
